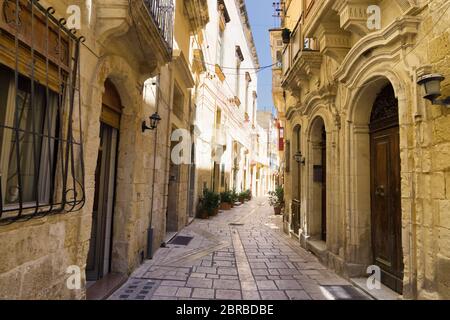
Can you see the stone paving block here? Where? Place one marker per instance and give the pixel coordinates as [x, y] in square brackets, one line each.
[249, 286]
[297, 295]
[228, 294]
[184, 292]
[220, 263]
[260, 278]
[227, 277]
[212, 270]
[273, 295]
[266, 285]
[199, 283]
[227, 271]
[260, 272]
[171, 283]
[226, 284]
[277, 265]
[258, 265]
[166, 291]
[203, 293]
[212, 276]
[288, 285]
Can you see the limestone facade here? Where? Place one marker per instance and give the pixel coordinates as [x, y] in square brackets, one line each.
[333, 69]
[225, 100]
[125, 47]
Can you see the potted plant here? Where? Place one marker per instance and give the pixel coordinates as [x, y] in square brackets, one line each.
[286, 35]
[209, 204]
[276, 200]
[225, 200]
[234, 197]
[249, 194]
[243, 196]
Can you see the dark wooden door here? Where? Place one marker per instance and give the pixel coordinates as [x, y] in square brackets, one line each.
[386, 190]
[324, 185]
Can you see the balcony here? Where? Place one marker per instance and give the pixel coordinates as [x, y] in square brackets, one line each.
[161, 12]
[144, 28]
[197, 11]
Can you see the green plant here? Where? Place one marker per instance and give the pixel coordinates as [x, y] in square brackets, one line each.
[276, 198]
[248, 194]
[210, 201]
[234, 196]
[226, 197]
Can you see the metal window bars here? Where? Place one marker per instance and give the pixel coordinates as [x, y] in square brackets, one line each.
[162, 13]
[44, 151]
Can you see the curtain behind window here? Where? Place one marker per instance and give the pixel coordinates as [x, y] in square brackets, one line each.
[36, 120]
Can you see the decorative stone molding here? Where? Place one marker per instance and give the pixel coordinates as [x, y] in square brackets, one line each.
[306, 65]
[183, 68]
[399, 35]
[353, 15]
[130, 23]
[198, 63]
[219, 73]
[198, 14]
[334, 42]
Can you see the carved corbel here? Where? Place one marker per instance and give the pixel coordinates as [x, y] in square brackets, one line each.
[353, 15]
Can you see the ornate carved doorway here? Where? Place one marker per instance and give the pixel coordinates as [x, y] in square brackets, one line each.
[386, 189]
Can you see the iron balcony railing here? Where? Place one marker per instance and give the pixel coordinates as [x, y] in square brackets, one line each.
[162, 13]
[295, 218]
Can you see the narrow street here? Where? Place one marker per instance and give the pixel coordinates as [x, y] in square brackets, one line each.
[240, 254]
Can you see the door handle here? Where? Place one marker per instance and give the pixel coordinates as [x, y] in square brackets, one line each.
[380, 191]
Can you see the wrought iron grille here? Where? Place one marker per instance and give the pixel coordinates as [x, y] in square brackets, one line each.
[295, 219]
[162, 14]
[41, 150]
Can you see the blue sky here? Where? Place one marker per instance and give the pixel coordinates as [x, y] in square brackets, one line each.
[260, 13]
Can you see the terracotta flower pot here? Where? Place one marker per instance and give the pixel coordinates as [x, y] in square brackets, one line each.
[225, 206]
[277, 211]
[203, 214]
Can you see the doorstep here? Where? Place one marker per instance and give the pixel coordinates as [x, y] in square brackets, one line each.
[384, 293]
[103, 288]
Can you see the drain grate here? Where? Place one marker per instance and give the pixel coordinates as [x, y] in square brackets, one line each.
[345, 293]
[236, 224]
[181, 241]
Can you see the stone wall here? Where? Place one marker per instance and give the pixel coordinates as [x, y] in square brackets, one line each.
[36, 254]
[341, 90]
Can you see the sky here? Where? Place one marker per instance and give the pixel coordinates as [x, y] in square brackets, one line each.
[260, 14]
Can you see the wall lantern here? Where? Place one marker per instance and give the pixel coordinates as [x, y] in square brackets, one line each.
[432, 85]
[154, 121]
[299, 158]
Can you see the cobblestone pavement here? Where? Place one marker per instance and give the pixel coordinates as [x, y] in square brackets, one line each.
[240, 254]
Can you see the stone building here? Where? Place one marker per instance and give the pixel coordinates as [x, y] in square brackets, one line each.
[225, 65]
[84, 187]
[367, 159]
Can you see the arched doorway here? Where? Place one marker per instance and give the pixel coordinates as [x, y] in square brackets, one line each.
[386, 188]
[100, 246]
[318, 154]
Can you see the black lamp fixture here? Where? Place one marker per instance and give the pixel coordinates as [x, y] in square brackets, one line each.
[432, 86]
[298, 157]
[154, 121]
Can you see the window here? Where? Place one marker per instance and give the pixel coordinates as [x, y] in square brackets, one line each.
[41, 153]
[178, 102]
[26, 156]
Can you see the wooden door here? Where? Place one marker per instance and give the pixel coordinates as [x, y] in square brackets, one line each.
[386, 190]
[100, 246]
[99, 256]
